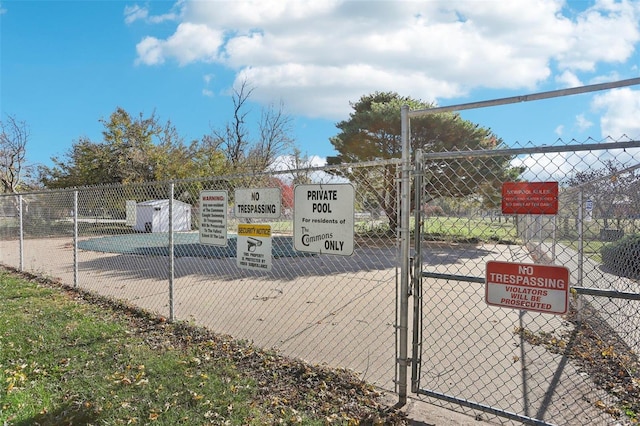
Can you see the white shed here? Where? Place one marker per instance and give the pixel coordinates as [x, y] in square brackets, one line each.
[153, 216]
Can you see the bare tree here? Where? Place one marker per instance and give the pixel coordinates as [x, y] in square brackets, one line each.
[14, 135]
[234, 139]
[275, 129]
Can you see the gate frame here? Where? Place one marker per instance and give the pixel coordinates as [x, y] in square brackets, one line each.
[409, 279]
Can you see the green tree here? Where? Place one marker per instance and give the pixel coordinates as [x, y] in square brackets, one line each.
[373, 132]
[86, 163]
[133, 149]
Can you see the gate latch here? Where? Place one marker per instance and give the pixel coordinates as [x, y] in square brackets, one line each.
[411, 275]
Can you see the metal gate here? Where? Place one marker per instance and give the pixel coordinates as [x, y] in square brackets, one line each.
[532, 367]
[537, 368]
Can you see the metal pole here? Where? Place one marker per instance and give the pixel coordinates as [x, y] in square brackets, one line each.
[580, 252]
[171, 253]
[405, 216]
[21, 223]
[531, 97]
[580, 238]
[75, 239]
[554, 238]
[416, 285]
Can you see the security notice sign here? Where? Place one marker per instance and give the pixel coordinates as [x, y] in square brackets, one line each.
[258, 203]
[323, 218]
[254, 247]
[530, 198]
[213, 218]
[540, 288]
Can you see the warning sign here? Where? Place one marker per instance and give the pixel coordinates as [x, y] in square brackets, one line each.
[540, 288]
[254, 247]
[323, 218]
[213, 217]
[530, 198]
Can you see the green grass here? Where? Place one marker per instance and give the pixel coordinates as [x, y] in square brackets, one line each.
[66, 361]
[63, 362]
[591, 249]
[470, 229]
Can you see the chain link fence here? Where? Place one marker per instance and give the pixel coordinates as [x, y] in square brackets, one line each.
[116, 241]
[536, 368]
[494, 362]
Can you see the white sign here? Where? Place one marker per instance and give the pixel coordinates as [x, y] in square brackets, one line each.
[323, 218]
[589, 208]
[213, 218]
[254, 247]
[258, 203]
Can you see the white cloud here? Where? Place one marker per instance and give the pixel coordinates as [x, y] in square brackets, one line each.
[318, 55]
[541, 167]
[138, 13]
[189, 43]
[568, 79]
[207, 78]
[582, 123]
[559, 130]
[135, 13]
[620, 111]
[606, 32]
[288, 162]
[312, 167]
[150, 51]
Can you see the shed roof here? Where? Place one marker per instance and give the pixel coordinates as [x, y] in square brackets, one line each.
[161, 203]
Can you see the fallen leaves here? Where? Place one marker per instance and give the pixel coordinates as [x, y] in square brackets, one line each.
[605, 358]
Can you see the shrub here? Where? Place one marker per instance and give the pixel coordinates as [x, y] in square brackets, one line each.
[622, 257]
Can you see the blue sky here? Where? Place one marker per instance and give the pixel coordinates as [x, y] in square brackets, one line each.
[67, 64]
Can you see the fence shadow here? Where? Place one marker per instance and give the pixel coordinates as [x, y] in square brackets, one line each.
[154, 264]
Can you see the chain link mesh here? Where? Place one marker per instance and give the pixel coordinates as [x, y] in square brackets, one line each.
[334, 310]
[578, 368]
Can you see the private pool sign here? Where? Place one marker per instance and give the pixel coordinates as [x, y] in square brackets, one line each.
[530, 287]
[323, 219]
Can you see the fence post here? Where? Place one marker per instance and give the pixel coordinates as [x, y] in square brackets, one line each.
[75, 239]
[405, 216]
[416, 282]
[580, 250]
[21, 224]
[171, 253]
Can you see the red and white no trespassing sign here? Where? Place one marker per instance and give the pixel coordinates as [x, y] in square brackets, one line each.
[530, 198]
[540, 288]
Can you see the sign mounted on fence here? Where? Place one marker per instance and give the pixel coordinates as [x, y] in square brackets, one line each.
[323, 218]
[254, 247]
[539, 288]
[530, 198]
[213, 217]
[588, 206]
[258, 203]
